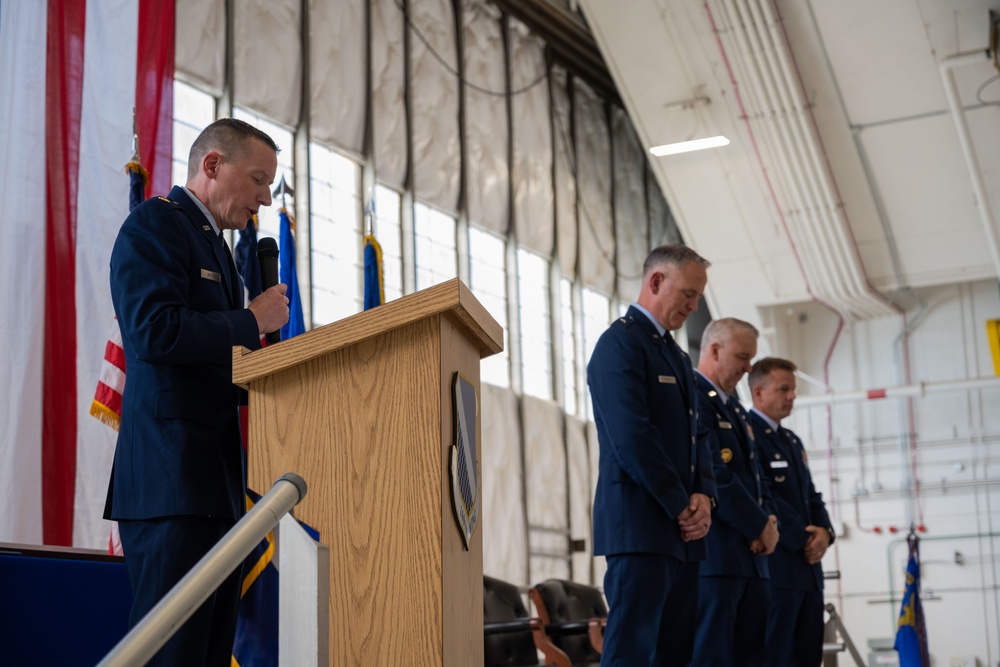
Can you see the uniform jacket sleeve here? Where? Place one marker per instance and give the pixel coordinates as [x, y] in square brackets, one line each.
[618, 385]
[157, 290]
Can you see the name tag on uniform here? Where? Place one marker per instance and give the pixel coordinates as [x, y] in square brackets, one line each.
[779, 464]
[725, 425]
[211, 275]
[668, 379]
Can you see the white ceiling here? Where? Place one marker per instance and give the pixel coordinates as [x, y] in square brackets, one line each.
[868, 103]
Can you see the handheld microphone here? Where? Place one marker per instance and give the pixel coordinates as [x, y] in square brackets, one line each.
[267, 256]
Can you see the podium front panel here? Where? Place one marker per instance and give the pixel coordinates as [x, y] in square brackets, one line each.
[370, 427]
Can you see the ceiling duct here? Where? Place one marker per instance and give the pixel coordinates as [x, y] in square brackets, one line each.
[792, 154]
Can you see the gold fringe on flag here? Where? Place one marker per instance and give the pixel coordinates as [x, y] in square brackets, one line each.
[291, 219]
[136, 168]
[105, 414]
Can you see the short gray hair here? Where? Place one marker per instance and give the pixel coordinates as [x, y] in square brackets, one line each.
[721, 330]
[229, 137]
[672, 253]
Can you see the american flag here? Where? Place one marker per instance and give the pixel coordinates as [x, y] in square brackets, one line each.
[107, 403]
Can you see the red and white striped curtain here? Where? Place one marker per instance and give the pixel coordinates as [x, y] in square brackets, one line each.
[71, 72]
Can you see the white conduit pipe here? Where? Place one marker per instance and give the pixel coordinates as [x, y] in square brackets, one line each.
[802, 144]
[757, 147]
[784, 99]
[828, 202]
[918, 389]
[774, 133]
[790, 137]
[788, 144]
[968, 151]
[805, 139]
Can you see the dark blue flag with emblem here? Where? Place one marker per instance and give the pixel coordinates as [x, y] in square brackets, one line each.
[911, 630]
[287, 274]
[256, 642]
[247, 264]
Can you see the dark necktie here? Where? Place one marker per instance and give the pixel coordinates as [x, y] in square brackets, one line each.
[234, 285]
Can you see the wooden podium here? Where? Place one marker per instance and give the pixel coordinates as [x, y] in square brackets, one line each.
[363, 410]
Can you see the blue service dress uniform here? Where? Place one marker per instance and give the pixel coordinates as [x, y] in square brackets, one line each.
[795, 624]
[734, 594]
[178, 479]
[651, 461]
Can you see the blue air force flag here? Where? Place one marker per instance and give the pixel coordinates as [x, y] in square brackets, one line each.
[911, 631]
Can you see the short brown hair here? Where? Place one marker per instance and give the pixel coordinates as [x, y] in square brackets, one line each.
[761, 370]
[229, 137]
[677, 254]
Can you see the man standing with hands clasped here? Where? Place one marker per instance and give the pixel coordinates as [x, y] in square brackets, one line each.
[655, 490]
[178, 484]
[734, 594]
[795, 624]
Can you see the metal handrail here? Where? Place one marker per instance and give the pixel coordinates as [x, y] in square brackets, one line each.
[152, 632]
[848, 643]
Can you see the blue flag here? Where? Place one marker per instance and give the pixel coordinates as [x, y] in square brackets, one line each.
[286, 272]
[256, 642]
[245, 256]
[374, 288]
[911, 631]
[138, 177]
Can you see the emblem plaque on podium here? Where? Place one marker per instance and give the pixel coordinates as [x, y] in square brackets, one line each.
[465, 481]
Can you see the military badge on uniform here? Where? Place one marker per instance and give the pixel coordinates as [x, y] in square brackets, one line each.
[727, 455]
[465, 477]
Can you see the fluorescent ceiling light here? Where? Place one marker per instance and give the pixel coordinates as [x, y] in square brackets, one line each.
[686, 146]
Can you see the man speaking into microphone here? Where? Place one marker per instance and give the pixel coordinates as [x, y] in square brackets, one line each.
[177, 484]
